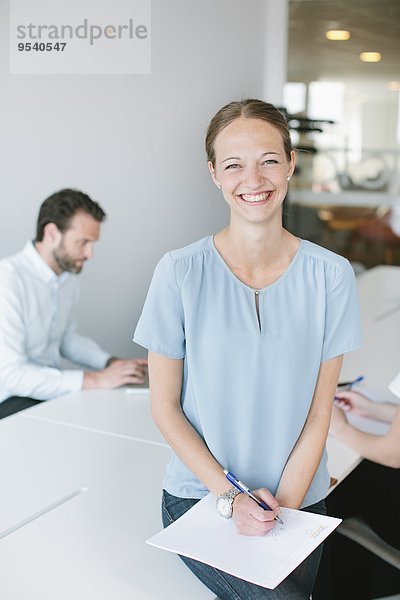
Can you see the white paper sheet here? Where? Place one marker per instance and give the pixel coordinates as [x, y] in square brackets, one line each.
[205, 536]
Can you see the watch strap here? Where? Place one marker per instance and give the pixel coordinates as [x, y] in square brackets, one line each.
[228, 496]
[231, 493]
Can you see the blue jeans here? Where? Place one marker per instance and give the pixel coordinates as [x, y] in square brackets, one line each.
[298, 586]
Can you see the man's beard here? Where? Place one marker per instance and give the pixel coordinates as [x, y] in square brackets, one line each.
[64, 261]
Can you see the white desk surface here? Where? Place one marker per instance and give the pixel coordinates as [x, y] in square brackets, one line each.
[93, 546]
[113, 412]
[378, 359]
[379, 292]
[42, 463]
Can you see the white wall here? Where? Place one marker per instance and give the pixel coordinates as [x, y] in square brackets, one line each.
[134, 143]
[276, 50]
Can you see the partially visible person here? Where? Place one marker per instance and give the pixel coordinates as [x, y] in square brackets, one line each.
[38, 298]
[371, 491]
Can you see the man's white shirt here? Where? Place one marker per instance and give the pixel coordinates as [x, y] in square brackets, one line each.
[38, 327]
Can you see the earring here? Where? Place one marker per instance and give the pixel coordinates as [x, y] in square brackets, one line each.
[219, 186]
[288, 178]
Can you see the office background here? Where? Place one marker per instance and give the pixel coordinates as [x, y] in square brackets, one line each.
[135, 144]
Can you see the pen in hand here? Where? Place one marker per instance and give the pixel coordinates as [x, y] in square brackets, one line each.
[243, 488]
[349, 384]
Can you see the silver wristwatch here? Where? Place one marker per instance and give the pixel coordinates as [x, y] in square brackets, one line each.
[225, 502]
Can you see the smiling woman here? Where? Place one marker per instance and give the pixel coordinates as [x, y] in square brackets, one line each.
[253, 177]
[245, 316]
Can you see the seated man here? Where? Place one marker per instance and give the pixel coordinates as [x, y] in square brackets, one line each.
[38, 298]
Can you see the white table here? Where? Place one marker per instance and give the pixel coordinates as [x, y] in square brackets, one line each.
[121, 413]
[42, 464]
[93, 546]
[378, 359]
[70, 509]
[379, 292]
[80, 495]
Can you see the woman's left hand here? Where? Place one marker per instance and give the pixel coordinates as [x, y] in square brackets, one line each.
[338, 421]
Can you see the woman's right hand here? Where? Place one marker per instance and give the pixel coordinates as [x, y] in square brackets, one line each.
[354, 403]
[250, 519]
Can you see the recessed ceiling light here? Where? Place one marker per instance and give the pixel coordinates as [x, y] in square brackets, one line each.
[370, 56]
[337, 35]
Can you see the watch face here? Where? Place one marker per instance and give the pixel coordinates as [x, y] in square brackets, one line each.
[224, 507]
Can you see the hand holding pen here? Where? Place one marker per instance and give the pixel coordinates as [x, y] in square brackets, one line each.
[348, 385]
[261, 504]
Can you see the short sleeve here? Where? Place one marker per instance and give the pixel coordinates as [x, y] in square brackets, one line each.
[161, 325]
[342, 317]
[394, 387]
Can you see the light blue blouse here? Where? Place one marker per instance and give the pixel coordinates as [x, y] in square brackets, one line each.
[249, 377]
